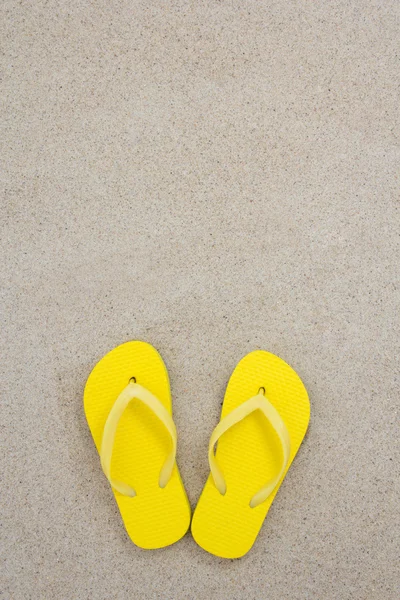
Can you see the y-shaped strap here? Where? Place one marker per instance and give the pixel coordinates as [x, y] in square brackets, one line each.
[261, 403]
[134, 390]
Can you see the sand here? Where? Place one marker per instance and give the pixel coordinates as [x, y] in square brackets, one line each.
[210, 177]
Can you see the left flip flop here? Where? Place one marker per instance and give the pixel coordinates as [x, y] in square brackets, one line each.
[128, 407]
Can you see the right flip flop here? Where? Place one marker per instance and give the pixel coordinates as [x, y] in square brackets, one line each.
[264, 419]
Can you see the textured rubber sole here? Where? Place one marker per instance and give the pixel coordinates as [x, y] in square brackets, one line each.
[155, 517]
[249, 455]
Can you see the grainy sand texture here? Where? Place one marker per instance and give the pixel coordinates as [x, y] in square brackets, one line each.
[211, 177]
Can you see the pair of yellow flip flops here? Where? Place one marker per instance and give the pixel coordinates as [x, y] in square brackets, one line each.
[263, 421]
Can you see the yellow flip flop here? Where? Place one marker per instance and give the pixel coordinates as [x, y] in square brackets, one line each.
[264, 418]
[127, 403]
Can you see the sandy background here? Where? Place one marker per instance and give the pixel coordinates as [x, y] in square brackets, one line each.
[212, 177]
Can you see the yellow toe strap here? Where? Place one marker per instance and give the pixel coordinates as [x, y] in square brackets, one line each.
[261, 403]
[135, 391]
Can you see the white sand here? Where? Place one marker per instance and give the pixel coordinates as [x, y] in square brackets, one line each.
[211, 177]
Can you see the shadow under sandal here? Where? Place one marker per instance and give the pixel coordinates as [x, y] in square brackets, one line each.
[128, 407]
[264, 418]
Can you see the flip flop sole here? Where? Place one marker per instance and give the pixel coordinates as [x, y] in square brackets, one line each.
[249, 454]
[155, 517]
